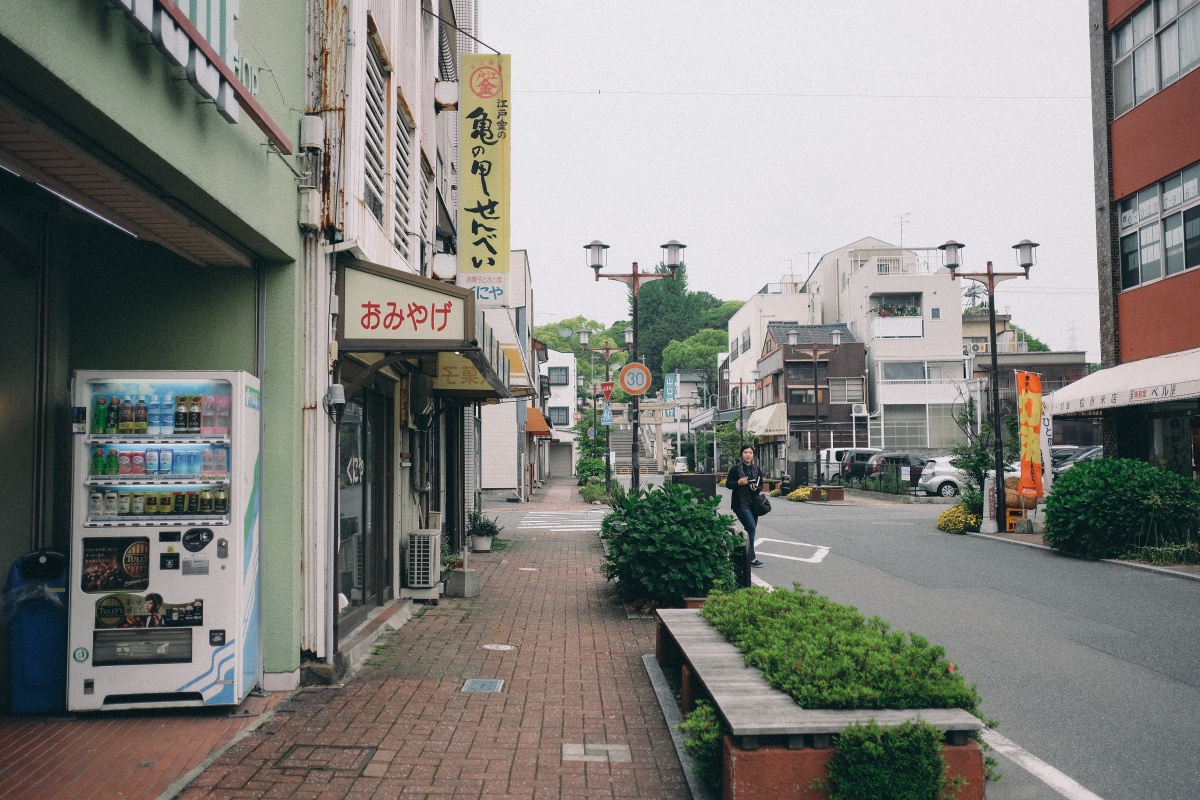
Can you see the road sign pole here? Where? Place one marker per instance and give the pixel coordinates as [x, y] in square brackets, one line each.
[607, 433]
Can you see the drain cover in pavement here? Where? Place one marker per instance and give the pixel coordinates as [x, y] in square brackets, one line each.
[482, 685]
[326, 757]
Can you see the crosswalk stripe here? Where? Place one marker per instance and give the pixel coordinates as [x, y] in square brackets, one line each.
[563, 520]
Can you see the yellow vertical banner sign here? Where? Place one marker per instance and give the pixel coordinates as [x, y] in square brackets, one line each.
[1029, 415]
[484, 213]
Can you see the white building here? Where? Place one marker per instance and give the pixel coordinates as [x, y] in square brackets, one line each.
[907, 311]
[559, 405]
[786, 301]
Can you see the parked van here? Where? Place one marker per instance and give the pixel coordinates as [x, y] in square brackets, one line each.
[831, 462]
[854, 464]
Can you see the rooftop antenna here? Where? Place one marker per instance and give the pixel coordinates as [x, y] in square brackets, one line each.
[903, 219]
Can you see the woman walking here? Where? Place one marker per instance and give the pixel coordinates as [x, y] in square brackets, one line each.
[745, 479]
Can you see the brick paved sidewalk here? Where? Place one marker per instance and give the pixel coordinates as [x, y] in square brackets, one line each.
[576, 716]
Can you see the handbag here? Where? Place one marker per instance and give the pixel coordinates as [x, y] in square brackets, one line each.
[761, 505]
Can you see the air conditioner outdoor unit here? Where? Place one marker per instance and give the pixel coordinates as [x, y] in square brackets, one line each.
[858, 410]
[979, 347]
[424, 559]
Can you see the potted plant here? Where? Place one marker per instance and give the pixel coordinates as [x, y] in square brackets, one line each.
[481, 530]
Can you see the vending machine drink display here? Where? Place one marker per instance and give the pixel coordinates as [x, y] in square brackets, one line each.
[164, 582]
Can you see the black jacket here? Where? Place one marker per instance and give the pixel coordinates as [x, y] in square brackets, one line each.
[742, 494]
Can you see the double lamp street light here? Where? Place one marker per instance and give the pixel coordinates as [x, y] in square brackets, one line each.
[672, 259]
[1026, 254]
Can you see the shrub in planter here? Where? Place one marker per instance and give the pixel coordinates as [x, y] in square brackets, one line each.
[666, 543]
[957, 519]
[592, 492]
[704, 743]
[900, 763]
[800, 495]
[1106, 507]
[588, 467]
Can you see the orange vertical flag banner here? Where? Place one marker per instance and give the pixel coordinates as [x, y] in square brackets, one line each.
[1029, 415]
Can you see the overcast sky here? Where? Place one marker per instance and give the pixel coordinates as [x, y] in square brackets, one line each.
[765, 134]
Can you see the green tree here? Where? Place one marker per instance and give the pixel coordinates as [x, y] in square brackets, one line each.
[1035, 345]
[666, 311]
[589, 447]
[730, 440]
[697, 354]
[718, 316]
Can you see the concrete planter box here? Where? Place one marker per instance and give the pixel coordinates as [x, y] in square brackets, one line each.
[775, 748]
[705, 482]
[822, 493]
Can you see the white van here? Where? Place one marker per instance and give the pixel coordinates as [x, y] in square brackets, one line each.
[831, 463]
[680, 465]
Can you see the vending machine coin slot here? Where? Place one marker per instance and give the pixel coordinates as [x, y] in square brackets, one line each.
[222, 548]
[168, 560]
[197, 539]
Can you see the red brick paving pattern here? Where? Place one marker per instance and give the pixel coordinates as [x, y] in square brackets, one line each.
[576, 678]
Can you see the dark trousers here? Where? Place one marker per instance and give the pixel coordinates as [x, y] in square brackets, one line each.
[749, 523]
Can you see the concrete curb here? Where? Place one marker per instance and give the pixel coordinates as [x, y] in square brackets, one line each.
[674, 718]
[1146, 567]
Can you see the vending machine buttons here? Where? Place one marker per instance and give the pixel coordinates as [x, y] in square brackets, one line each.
[216, 638]
[222, 548]
[168, 560]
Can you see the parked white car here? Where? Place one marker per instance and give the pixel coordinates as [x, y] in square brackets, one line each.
[680, 464]
[941, 477]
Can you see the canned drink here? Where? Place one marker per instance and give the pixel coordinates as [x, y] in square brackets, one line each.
[193, 502]
[166, 461]
[221, 500]
[152, 462]
[137, 504]
[206, 501]
[97, 463]
[150, 504]
[123, 503]
[137, 462]
[124, 464]
[220, 460]
[180, 463]
[96, 505]
[179, 502]
[112, 462]
[166, 502]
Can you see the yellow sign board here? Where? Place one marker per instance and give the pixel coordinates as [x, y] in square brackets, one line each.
[484, 214]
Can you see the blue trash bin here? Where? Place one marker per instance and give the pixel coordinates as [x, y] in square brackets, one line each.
[35, 605]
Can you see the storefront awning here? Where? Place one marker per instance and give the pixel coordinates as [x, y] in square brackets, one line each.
[535, 423]
[399, 314]
[769, 421]
[1152, 380]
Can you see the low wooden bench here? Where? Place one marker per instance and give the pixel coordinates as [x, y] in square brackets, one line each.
[760, 716]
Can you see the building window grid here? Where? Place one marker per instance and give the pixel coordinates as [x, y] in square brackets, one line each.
[375, 134]
[560, 416]
[1160, 229]
[559, 376]
[1150, 52]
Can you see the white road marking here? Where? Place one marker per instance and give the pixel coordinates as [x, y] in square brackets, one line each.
[1065, 786]
[816, 558]
[757, 581]
[562, 520]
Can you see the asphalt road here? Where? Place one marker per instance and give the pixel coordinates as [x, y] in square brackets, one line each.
[1092, 669]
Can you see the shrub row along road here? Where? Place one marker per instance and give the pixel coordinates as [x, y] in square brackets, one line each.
[1092, 668]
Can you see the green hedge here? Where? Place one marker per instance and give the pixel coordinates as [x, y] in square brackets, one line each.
[1108, 508]
[827, 655]
[589, 467]
[666, 543]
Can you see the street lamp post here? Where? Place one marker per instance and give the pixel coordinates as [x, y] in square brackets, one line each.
[1026, 254]
[607, 350]
[754, 375]
[673, 259]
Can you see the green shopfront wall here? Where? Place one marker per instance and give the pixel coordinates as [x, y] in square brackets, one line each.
[82, 67]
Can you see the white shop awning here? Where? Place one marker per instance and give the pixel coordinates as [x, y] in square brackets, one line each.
[1151, 380]
[769, 421]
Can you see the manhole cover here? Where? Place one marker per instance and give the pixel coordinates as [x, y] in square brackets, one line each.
[482, 685]
[326, 757]
[499, 647]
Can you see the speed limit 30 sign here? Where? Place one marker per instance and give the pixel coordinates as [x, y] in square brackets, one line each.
[634, 378]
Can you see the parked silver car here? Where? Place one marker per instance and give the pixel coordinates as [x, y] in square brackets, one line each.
[941, 477]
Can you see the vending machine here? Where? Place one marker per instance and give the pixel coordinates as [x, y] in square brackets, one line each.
[164, 582]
